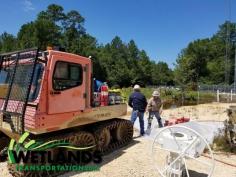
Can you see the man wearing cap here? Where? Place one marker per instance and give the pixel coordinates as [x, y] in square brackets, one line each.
[138, 102]
[154, 106]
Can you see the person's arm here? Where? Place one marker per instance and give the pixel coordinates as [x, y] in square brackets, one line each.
[149, 105]
[161, 106]
[130, 101]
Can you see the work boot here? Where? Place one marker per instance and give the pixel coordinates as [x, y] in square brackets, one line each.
[142, 134]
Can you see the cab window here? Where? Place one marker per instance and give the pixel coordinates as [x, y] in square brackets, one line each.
[67, 75]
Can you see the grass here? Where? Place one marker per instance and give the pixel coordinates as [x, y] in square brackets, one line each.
[173, 96]
[221, 143]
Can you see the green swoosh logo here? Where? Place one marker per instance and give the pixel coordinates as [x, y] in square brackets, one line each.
[33, 145]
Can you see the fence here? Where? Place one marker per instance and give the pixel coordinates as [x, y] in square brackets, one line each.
[204, 94]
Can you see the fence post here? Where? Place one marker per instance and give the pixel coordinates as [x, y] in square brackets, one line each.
[218, 96]
[231, 96]
[198, 94]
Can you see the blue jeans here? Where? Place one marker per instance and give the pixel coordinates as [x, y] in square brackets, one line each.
[150, 117]
[134, 116]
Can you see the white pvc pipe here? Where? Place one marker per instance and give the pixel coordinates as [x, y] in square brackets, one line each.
[191, 130]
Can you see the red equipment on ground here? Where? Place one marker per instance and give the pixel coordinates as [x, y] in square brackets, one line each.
[104, 95]
[174, 121]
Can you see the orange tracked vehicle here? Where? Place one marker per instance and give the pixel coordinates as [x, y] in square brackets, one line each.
[51, 95]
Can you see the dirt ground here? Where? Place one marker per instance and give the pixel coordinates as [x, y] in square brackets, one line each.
[136, 159]
[201, 112]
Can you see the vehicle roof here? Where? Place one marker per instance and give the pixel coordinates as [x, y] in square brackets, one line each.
[56, 52]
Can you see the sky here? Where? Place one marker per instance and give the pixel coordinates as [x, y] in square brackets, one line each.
[161, 27]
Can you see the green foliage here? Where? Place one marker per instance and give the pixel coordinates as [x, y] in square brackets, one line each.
[173, 96]
[126, 65]
[125, 92]
[220, 143]
[7, 42]
[204, 59]
[41, 33]
[53, 13]
[161, 74]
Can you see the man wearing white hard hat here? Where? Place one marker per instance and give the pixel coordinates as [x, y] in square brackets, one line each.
[138, 102]
[154, 106]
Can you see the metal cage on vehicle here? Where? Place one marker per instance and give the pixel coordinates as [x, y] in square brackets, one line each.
[17, 70]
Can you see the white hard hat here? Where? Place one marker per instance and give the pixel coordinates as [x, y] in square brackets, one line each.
[155, 93]
[136, 87]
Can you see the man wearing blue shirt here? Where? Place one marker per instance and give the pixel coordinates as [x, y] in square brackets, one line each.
[138, 102]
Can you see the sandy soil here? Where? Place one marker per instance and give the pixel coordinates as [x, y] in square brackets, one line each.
[202, 112]
[136, 160]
